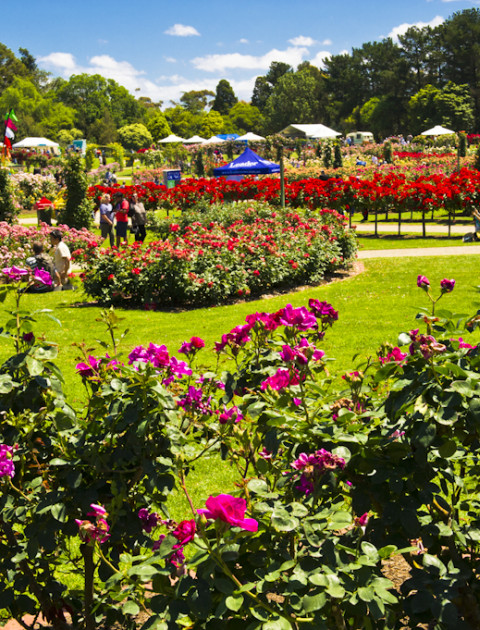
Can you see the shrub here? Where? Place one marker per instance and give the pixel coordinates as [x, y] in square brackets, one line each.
[78, 210]
[8, 211]
[329, 483]
[246, 251]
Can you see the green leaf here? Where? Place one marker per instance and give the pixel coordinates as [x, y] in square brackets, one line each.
[276, 623]
[335, 589]
[435, 563]
[144, 571]
[283, 522]
[258, 486]
[448, 449]
[340, 520]
[387, 551]
[462, 387]
[59, 512]
[369, 550]
[314, 602]
[130, 608]
[234, 602]
[366, 593]
[6, 384]
[34, 367]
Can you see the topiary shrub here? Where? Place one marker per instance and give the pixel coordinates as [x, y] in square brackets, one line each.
[327, 155]
[337, 156]
[78, 209]
[8, 211]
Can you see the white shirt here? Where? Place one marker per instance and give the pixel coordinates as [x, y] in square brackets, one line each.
[61, 253]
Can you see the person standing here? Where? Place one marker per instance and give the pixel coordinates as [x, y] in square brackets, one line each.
[121, 217]
[62, 258]
[106, 218]
[138, 215]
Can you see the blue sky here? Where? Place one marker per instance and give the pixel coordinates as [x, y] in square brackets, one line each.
[160, 48]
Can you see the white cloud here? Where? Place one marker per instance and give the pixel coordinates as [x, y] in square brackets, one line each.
[60, 61]
[301, 40]
[319, 58]
[243, 41]
[402, 28]
[327, 42]
[170, 59]
[220, 63]
[166, 88]
[180, 30]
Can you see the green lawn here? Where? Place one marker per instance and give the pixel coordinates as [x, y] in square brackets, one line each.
[374, 306]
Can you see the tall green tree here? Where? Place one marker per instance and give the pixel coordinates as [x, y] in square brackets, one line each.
[261, 93]
[134, 137]
[295, 99]
[451, 106]
[246, 117]
[196, 101]
[212, 124]
[459, 38]
[10, 67]
[158, 126]
[92, 95]
[39, 114]
[225, 98]
[418, 48]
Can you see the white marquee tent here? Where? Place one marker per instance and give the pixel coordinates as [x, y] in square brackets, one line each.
[172, 138]
[316, 131]
[34, 143]
[438, 130]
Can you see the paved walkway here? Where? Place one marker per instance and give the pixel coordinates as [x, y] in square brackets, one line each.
[461, 250]
[406, 228]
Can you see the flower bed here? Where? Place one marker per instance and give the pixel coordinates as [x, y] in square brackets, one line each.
[212, 263]
[382, 190]
[16, 242]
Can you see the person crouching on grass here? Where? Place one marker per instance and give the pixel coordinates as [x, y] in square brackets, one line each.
[121, 217]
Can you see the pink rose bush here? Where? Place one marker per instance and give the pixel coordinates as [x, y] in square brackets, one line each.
[328, 478]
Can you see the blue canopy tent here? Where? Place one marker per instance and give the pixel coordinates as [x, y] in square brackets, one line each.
[249, 163]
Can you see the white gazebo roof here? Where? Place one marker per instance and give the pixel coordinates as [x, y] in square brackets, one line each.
[438, 130]
[310, 131]
[214, 140]
[195, 140]
[172, 138]
[251, 136]
[35, 142]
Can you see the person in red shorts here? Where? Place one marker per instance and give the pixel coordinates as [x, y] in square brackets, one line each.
[121, 217]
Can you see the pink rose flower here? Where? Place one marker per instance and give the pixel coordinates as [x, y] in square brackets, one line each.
[230, 510]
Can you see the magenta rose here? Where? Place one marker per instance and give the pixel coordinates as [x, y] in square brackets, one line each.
[423, 283]
[230, 510]
[447, 285]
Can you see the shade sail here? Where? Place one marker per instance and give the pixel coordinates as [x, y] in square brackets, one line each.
[172, 138]
[194, 140]
[251, 136]
[438, 130]
[310, 131]
[249, 163]
[214, 140]
[31, 143]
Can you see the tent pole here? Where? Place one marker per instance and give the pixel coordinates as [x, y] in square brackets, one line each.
[282, 180]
